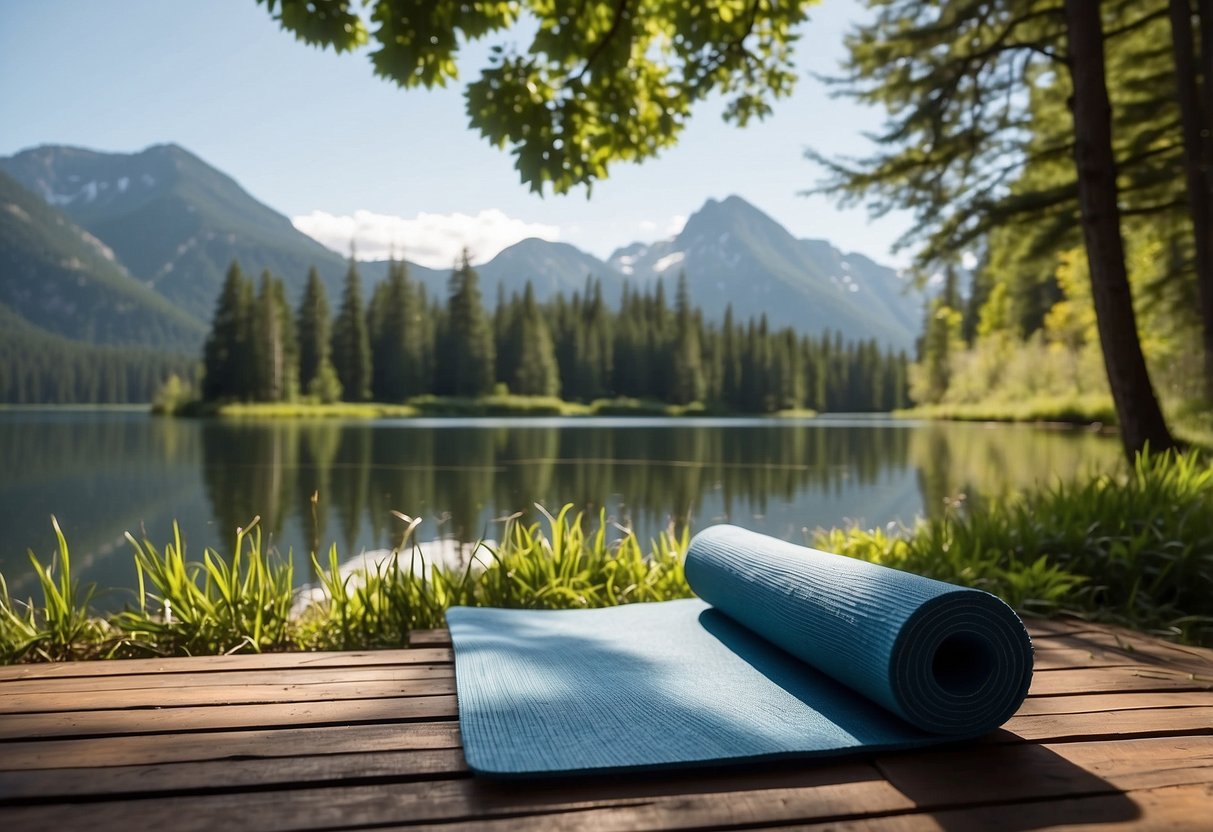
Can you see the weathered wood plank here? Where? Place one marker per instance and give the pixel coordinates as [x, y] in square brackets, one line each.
[113, 782]
[1107, 679]
[915, 782]
[246, 661]
[1142, 649]
[221, 745]
[1179, 808]
[1069, 658]
[430, 638]
[179, 720]
[289, 742]
[142, 698]
[1030, 771]
[1130, 723]
[787, 795]
[930, 778]
[1102, 702]
[222, 678]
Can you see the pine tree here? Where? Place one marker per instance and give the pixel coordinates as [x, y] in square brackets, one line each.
[351, 342]
[396, 336]
[227, 355]
[467, 359]
[536, 372]
[686, 372]
[290, 343]
[275, 353]
[314, 330]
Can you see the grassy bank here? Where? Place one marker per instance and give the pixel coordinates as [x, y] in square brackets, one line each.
[1135, 548]
[497, 406]
[1071, 410]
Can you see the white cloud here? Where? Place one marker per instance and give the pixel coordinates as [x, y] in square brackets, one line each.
[433, 240]
[674, 227]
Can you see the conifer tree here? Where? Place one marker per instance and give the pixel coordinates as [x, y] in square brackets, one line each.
[503, 334]
[351, 342]
[314, 328]
[290, 342]
[467, 361]
[686, 372]
[227, 355]
[791, 381]
[269, 362]
[730, 357]
[396, 336]
[536, 372]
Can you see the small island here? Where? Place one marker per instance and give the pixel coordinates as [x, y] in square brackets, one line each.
[404, 354]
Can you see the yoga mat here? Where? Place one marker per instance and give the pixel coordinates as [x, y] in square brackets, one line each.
[787, 652]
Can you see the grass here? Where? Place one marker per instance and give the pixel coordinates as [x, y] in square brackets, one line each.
[504, 404]
[1072, 410]
[247, 603]
[295, 410]
[1134, 548]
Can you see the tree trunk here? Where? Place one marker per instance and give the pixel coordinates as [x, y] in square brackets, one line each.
[1195, 121]
[1141, 419]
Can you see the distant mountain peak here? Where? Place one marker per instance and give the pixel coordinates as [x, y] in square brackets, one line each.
[175, 223]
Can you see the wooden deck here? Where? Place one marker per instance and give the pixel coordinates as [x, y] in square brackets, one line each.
[1117, 733]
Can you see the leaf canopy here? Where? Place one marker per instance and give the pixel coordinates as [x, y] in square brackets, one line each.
[602, 81]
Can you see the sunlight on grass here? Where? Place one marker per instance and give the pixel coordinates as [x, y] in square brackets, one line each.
[1134, 547]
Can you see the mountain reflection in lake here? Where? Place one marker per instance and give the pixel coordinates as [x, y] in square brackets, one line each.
[102, 473]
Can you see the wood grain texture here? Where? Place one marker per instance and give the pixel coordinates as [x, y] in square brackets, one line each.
[1117, 734]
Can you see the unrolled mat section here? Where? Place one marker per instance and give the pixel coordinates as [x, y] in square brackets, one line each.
[787, 652]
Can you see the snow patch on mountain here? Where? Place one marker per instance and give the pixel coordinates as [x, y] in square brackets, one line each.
[670, 260]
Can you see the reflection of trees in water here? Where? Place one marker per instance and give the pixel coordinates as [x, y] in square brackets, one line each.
[317, 450]
[98, 473]
[251, 470]
[52, 447]
[459, 478]
[986, 463]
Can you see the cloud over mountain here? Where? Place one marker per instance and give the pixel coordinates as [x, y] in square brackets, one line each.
[433, 240]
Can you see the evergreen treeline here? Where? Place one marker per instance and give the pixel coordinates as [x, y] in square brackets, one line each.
[40, 368]
[402, 344]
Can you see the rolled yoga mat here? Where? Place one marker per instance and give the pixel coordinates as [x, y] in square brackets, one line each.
[787, 652]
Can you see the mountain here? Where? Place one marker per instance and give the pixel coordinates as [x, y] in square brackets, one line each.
[733, 253]
[174, 221]
[551, 267]
[62, 280]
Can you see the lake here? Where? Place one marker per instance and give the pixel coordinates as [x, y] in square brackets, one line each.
[102, 473]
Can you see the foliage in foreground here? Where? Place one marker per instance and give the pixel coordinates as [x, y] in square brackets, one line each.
[1135, 548]
[247, 602]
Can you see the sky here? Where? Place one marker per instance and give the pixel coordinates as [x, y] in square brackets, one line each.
[345, 155]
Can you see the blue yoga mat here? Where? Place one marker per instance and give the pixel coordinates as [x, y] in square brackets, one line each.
[787, 652]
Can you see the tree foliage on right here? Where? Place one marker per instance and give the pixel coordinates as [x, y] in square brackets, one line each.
[1020, 129]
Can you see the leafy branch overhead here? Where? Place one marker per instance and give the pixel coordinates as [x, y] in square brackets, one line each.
[602, 80]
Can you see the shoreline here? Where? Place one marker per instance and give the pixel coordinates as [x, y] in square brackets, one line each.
[455, 407]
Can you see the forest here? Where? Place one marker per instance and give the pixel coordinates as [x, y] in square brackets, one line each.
[40, 368]
[1066, 150]
[401, 344]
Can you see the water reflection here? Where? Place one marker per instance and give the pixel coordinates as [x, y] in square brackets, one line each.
[104, 473]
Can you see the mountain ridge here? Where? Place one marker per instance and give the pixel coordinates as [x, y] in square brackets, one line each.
[61, 279]
[175, 223]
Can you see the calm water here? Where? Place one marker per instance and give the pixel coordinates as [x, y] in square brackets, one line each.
[103, 473]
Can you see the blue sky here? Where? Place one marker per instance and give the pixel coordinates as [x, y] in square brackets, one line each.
[319, 138]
